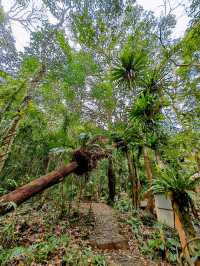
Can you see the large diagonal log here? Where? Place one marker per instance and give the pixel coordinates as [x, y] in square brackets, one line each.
[83, 161]
[18, 196]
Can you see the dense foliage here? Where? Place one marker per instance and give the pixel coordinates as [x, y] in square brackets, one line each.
[102, 68]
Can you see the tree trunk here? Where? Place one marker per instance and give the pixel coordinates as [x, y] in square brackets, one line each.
[180, 228]
[137, 185]
[111, 181]
[159, 160]
[132, 178]
[9, 137]
[197, 158]
[149, 173]
[83, 161]
[18, 196]
[8, 141]
[185, 230]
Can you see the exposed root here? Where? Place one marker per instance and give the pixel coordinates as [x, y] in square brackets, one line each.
[87, 159]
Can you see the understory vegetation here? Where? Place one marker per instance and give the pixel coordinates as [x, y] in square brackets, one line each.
[42, 238]
[101, 105]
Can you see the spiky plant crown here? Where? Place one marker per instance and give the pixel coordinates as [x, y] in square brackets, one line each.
[181, 187]
[129, 69]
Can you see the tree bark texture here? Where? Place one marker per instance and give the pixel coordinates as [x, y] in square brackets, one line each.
[159, 160]
[180, 229]
[149, 174]
[197, 158]
[25, 192]
[83, 161]
[132, 178]
[186, 231]
[9, 137]
[111, 181]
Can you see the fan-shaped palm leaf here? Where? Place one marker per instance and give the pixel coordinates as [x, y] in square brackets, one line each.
[179, 185]
[129, 69]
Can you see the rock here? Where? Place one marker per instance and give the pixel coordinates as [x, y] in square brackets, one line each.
[106, 233]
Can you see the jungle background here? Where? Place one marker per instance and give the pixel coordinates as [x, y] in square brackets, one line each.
[108, 71]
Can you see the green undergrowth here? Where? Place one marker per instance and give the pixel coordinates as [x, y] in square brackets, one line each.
[42, 253]
[155, 240]
[47, 235]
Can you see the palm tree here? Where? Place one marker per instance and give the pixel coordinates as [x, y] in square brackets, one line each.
[145, 116]
[129, 68]
[121, 143]
[133, 71]
[180, 188]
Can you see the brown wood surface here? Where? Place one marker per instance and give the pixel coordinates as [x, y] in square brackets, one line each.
[25, 192]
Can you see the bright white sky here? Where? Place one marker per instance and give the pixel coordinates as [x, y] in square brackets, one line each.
[157, 6]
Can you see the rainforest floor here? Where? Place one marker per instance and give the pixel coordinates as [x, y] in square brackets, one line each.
[80, 233]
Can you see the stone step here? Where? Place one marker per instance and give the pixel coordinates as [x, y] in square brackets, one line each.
[106, 233]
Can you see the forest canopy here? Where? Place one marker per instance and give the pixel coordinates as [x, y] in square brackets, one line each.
[108, 71]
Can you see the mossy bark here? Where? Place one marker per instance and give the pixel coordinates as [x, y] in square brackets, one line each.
[197, 158]
[149, 174]
[9, 137]
[132, 178]
[185, 228]
[111, 181]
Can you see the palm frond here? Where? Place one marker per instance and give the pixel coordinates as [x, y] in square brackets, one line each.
[129, 69]
[179, 184]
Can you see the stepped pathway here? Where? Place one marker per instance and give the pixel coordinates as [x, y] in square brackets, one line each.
[106, 234]
[108, 238]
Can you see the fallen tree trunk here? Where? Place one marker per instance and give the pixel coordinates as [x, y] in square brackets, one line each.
[82, 162]
[18, 196]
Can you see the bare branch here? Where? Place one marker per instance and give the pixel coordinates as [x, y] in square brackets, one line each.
[26, 14]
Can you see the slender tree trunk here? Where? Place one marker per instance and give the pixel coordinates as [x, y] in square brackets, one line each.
[9, 137]
[137, 185]
[111, 181]
[197, 158]
[159, 160]
[149, 173]
[185, 230]
[180, 228]
[187, 233]
[148, 166]
[8, 141]
[132, 178]
[25, 192]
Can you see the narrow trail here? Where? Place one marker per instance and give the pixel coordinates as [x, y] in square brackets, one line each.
[108, 238]
[107, 234]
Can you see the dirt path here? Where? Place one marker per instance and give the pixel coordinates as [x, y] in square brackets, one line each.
[106, 234]
[108, 238]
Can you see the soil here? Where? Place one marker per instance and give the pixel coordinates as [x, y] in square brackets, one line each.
[91, 224]
[111, 239]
